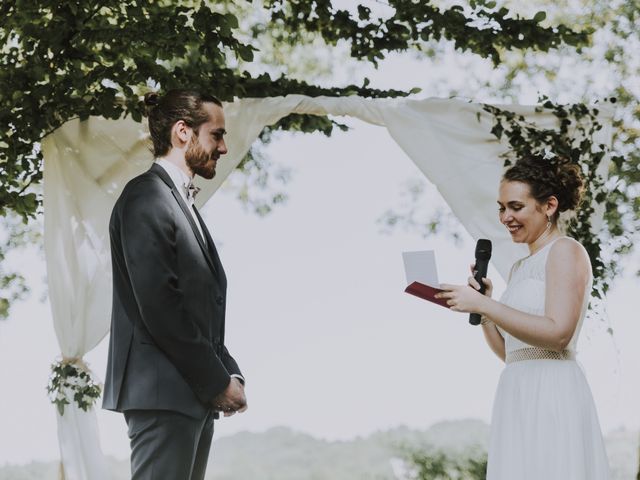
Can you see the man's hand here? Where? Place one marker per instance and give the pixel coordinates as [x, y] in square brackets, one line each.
[232, 400]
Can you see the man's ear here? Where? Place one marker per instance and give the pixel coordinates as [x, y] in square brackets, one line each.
[180, 133]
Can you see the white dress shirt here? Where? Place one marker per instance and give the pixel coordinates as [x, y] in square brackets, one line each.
[181, 180]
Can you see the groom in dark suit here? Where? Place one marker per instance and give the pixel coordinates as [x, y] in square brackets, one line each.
[168, 369]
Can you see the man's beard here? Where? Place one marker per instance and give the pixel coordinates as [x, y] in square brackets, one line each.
[199, 161]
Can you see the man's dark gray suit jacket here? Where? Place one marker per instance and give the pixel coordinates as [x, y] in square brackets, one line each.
[166, 350]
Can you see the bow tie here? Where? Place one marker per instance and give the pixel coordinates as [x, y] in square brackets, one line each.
[191, 190]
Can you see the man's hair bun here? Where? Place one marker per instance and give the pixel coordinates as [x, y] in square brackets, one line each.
[151, 99]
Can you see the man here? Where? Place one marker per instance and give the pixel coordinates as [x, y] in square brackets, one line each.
[168, 368]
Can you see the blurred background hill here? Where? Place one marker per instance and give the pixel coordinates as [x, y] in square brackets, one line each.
[281, 453]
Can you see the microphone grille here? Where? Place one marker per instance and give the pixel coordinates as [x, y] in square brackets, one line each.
[483, 249]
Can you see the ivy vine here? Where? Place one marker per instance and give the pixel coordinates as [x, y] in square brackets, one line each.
[574, 140]
[74, 59]
[71, 382]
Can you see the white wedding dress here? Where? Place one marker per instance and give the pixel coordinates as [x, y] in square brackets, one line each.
[544, 424]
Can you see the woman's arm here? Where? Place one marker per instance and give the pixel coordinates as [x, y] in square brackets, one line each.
[567, 276]
[494, 339]
[491, 334]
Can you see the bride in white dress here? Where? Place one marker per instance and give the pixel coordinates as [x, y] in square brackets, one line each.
[544, 424]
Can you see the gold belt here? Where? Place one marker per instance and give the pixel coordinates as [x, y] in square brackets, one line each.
[535, 353]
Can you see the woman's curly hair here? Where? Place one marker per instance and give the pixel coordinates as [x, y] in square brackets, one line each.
[556, 177]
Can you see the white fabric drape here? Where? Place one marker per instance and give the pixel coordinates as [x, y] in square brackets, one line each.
[88, 163]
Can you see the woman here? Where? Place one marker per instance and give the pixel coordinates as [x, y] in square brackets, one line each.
[544, 423]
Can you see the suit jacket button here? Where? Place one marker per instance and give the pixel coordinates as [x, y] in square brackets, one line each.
[219, 300]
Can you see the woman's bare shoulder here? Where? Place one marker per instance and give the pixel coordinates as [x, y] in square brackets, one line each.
[567, 252]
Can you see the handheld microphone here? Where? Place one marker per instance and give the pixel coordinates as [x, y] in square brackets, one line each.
[483, 254]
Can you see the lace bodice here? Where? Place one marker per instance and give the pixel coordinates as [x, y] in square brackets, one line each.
[526, 292]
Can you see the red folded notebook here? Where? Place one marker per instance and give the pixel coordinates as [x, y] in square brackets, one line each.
[427, 293]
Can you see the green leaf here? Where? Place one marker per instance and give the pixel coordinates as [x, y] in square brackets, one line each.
[540, 16]
[232, 20]
[245, 52]
[364, 13]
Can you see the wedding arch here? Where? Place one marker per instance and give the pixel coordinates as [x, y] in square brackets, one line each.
[87, 163]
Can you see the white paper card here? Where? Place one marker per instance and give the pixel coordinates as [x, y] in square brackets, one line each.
[420, 267]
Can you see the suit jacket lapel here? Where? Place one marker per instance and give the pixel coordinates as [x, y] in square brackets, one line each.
[185, 209]
[212, 249]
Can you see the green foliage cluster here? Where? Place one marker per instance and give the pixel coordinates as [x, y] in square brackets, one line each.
[425, 464]
[65, 60]
[12, 286]
[572, 139]
[482, 29]
[608, 67]
[72, 382]
[15, 235]
[75, 59]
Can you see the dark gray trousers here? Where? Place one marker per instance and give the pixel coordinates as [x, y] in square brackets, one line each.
[168, 445]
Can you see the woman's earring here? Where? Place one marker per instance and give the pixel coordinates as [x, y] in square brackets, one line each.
[548, 222]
